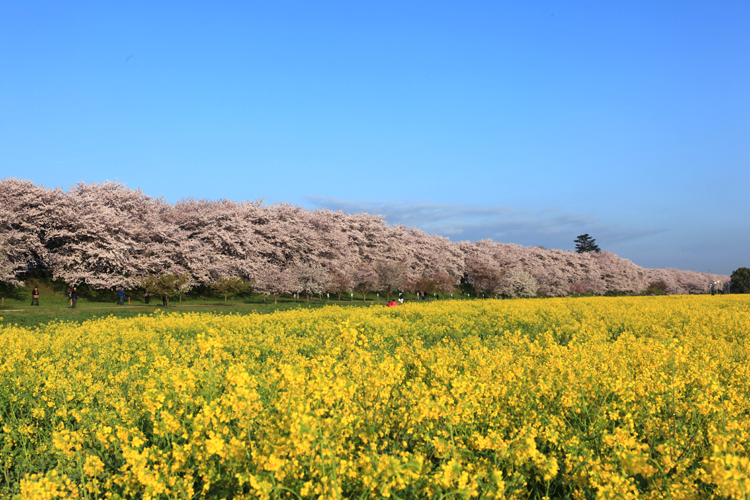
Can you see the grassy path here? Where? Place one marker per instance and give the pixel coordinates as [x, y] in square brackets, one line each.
[28, 316]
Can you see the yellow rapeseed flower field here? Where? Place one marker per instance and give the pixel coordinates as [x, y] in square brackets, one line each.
[633, 397]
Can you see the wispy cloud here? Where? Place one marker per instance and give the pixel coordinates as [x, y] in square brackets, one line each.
[550, 227]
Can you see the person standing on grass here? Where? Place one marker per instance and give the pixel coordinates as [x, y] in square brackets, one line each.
[121, 293]
[73, 297]
[401, 297]
[70, 296]
[35, 296]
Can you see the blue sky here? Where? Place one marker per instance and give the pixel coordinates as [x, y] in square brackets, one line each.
[524, 122]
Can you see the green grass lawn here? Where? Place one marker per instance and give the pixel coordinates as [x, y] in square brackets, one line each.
[52, 307]
[30, 317]
[16, 308]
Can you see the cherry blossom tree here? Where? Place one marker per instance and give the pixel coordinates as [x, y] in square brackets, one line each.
[342, 280]
[426, 285]
[518, 283]
[99, 233]
[423, 255]
[274, 280]
[552, 282]
[683, 282]
[593, 283]
[27, 216]
[6, 266]
[311, 278]
[578, 288]
[220, 238]
[391, 277]
[486, 275]
[367, 237]
[619, 275]
[365, 280]
[443, 282]
[107, 235]
[332, 249]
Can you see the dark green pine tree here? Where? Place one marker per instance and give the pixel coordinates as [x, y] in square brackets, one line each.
[585, 243]
[740, 281]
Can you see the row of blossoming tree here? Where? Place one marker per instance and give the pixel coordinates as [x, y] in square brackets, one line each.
[107, 235]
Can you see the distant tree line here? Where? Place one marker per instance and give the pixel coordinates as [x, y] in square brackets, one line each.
[107, 235]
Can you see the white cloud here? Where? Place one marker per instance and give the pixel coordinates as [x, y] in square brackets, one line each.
[550, 227]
